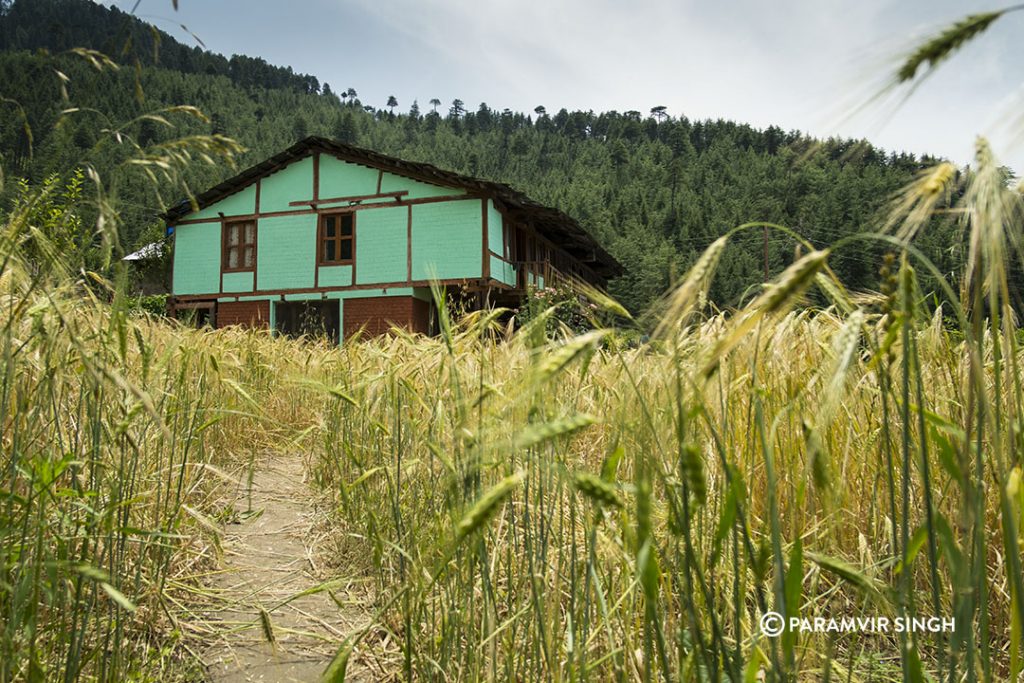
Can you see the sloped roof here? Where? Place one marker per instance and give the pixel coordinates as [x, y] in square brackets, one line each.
[151, 250]
[556, 225]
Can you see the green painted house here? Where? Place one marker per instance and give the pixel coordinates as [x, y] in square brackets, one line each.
[345, 239]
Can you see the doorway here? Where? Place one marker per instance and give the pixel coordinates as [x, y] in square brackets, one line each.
[196, 315]
[313, 319]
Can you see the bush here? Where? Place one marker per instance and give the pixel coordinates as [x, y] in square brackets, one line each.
[571, 309]
[154, 304]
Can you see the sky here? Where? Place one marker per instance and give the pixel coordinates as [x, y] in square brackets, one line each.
[810, 65]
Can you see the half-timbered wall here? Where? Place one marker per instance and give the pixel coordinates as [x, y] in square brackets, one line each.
[197, 258]
[407, 233]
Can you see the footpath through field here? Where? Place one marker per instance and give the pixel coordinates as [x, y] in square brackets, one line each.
[269, 556]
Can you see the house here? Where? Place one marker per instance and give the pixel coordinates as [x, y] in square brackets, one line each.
[153, 250]
[332, 237]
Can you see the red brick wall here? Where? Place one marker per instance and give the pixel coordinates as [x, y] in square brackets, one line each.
[377, 314]
[247, 313]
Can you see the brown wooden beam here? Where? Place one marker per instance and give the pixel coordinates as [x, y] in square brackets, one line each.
[472, 282]
[408, 247]
[353, 198]
[312, 211]
[316, 177]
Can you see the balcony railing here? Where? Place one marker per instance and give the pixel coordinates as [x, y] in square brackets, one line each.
[539, 273]
[535, 273]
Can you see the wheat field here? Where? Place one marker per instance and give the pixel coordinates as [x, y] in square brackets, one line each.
[536, 504]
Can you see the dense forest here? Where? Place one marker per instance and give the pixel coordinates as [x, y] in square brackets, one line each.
[653, 188]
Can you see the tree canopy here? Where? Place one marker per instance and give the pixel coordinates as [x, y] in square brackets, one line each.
[654, 190]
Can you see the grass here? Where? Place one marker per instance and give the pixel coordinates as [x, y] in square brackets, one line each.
[567, 509]
[648, 544]
[113, 431]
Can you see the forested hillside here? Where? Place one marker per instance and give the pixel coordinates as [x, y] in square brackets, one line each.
[655, 189]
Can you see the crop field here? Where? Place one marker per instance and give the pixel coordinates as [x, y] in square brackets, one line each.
[539, 504]
[821, 483]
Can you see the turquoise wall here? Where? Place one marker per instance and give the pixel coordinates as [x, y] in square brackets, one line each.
[238, 282]
[502, 271]
[447, 240]
[242, 203]
[381, 245]
[495, 234]
[393, 183]
[342, 179]
[197, 258]
[337, 179]
[292, 183]
[286, 252]
[335, 276]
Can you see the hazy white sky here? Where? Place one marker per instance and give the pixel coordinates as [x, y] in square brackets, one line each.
[804, 64]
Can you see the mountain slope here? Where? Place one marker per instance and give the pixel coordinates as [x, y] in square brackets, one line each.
[654, 192]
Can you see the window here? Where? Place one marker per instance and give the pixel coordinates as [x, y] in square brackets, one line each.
[337, 239]
[239, 249]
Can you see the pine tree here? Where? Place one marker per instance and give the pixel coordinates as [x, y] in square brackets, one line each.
[300, 128]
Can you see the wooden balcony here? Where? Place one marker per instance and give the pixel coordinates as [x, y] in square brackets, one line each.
[533, 273]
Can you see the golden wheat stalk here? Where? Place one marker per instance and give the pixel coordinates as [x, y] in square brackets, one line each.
[689, 294]
[487, 505]
[540, 433]
[597, 489]
[916, 203]
[692, 465]
[560, 357]
[778, 295]
[845, 346]
[940, 47]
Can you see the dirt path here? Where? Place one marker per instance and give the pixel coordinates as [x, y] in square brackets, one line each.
[269, 555]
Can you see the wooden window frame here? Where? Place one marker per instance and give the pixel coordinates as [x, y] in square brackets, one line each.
[242, 245]
[321, 238]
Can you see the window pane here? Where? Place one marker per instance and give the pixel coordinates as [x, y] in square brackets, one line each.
[250, 233]
[329, 253]
[233, 257]
[249, 256]
[233, 234]
[346, 250]
[329, 226]
[346, 225]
